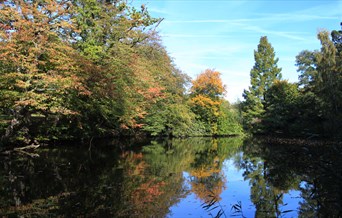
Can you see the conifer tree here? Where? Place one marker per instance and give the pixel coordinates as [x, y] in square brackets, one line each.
[264, 72]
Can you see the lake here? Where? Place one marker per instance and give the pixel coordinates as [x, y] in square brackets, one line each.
[196, 177]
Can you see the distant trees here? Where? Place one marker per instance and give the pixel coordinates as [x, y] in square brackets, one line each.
[201, 113]
[310, 107]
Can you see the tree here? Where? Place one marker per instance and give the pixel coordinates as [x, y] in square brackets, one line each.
[138, 78]
[281, 106]
[321, 81]
[115, 37]
[264, 72]
[39, 74]
[209, 84]
[336, 36]
[330, 83]
[215, 116]
[206, 97]
[79, 69]
[229, 123]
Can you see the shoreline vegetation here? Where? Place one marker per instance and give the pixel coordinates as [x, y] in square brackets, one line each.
[79, 70]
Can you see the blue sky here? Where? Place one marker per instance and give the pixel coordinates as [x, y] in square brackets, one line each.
[223, 34]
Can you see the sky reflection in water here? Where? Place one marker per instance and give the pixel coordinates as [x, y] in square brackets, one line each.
[237, 189]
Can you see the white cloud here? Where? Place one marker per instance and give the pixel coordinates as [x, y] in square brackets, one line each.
[197, 35]
[289, 35]
[225, 38]
[159, 11]
[200, 21]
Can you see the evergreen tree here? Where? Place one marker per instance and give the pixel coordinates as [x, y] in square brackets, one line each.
[264, 72]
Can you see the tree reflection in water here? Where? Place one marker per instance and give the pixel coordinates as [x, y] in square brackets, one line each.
[207, 180]
[274, 167]
[129, 180]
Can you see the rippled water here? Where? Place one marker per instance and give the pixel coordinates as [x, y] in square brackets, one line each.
[197, 177]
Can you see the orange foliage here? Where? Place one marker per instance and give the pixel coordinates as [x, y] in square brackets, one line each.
[135, 163]
[207, 180]
[207, 92]
[44, 64]
[208, 83]
[205, 193]
[204, 101]
[147, 192]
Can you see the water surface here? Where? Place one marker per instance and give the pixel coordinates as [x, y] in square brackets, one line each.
[197, 177]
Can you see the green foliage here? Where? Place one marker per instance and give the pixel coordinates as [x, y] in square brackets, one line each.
[170, 120]
[229, 122]
[313, 108]
[321, 80]
[281, 102]
[81, 69]
[39, 72]
[264, 72]
[211, 109]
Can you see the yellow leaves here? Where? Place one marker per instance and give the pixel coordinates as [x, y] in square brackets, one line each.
[204, 172]
[206, 107]
[208, 83]
[45, 68]
[205, 101]
[208, 91]
[22, 84]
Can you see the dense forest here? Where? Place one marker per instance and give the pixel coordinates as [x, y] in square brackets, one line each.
[83, 69]
[309, 108]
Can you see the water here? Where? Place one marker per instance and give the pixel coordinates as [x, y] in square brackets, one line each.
[198, 177]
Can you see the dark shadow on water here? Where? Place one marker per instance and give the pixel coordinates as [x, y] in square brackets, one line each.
[131, 179]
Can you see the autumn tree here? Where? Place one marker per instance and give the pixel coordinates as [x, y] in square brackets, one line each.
[138, 77]
[264, 72]
[82, 69]
[214, 113]
[207, 93]
[39, 76]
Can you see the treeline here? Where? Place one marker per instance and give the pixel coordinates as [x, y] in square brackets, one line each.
[82, 69]
[311, 107]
